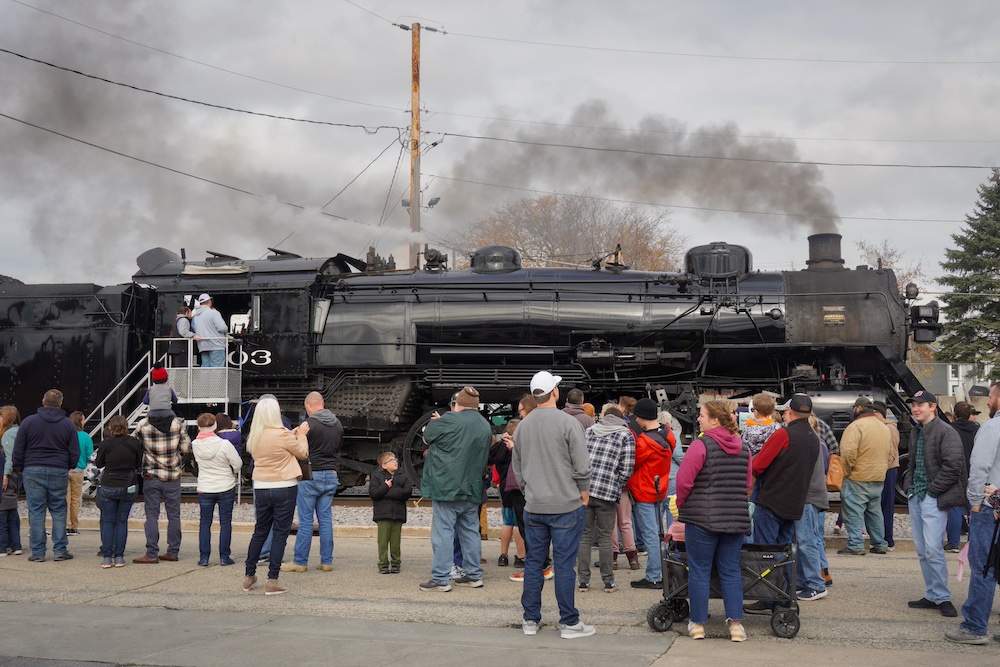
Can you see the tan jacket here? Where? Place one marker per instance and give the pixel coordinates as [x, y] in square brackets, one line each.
[894, 437]
[866, 449]
[276, 455]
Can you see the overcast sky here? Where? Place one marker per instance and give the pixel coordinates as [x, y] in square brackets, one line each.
[772, 83]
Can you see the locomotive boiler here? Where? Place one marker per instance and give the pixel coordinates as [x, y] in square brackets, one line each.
[388, 347]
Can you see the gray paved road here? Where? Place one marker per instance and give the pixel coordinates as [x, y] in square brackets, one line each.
[180, 614]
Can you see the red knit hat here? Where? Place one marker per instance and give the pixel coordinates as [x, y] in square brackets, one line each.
[159, 374]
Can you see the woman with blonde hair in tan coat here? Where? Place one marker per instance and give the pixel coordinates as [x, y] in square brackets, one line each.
[276, 452]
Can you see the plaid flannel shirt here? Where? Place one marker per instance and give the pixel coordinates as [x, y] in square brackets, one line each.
[612, 458]
[162, 451]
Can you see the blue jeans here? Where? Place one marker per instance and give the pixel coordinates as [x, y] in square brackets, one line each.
[770, 529]
[265, 551]
[213, 359]
[448, 518]
[954, 529]
[928, 524]
[563, 532]
[705, 548]
[45, 489]
[809, 566]
[862, 507]
[976, 609]
[821, 536]
[889, 503]
[207, 502]
[458, 561]
[644, 518]
[316, 498]
[10, 530]
[274, 509]
[115, 503]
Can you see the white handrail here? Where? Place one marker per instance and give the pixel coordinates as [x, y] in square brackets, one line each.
[105, 415]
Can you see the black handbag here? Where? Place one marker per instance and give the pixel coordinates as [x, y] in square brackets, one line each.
[307, 470]
[8, 501]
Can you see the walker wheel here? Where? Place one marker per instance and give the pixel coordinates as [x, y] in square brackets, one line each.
[660, 617]
[679, 608]
[785, 623]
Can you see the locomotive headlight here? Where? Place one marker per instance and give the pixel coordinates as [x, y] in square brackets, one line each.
[911, 291]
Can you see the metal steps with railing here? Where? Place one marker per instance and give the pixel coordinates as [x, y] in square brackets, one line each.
[191, 384]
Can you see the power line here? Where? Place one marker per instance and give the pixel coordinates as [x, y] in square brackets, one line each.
[204, 64]
[391, 143]
[375, 129]
[368, 11]
[710, 157]
[717, 56]
[178, 171]
[472, 116]
[690, 208]
[366, 128]
[723, 135]
[714, 56]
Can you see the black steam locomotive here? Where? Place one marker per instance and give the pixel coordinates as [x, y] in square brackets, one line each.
[388, 347]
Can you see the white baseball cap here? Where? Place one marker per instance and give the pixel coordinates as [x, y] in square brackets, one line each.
[544, 382]
[204, 298]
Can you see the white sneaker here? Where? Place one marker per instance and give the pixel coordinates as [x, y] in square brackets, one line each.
[578, 630]
[457, 572]
[530, 628]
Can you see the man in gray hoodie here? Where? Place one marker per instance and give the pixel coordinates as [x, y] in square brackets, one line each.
[611, 446]
[315, 496]
[551, 464]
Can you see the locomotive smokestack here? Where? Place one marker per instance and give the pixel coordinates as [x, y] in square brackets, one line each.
[824, 253]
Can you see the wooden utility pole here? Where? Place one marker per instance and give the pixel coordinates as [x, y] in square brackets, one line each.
[415, 150]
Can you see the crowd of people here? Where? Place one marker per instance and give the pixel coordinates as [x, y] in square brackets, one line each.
[570, 479]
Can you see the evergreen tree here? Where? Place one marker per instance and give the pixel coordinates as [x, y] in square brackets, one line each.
[972, 331]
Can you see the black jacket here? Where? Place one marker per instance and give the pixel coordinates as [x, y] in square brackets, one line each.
[326, 436]
[121, 458]
[388, 502]
[967, 432]
[944, 463]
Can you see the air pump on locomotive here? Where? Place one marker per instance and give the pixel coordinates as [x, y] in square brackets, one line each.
[387, 347]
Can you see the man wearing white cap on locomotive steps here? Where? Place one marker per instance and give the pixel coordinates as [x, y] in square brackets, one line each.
[552, 466]
[210, 332]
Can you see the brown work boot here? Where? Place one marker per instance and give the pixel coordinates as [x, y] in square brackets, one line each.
[249, 583]
[633, 559]
[142, 560]
[272, 587]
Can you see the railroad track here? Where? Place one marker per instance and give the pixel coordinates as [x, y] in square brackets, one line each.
[338, 501]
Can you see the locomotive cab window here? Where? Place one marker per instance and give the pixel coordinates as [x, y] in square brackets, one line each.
[237, 310]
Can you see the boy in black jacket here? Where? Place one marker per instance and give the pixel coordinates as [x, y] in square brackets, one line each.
[389, 490]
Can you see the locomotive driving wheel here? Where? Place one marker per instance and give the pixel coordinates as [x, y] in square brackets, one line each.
[412, 452]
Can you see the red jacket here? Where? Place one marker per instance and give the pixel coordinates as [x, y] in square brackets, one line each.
[652, 458]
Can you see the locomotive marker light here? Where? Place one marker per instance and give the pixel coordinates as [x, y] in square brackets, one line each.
[924, 320]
